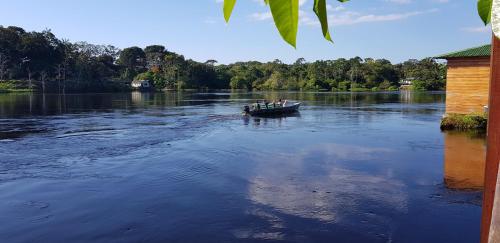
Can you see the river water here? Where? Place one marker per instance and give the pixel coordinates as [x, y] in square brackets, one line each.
[188, 167]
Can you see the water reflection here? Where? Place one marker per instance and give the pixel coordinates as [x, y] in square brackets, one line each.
[464, 160]
[23, 104]
[325, 189]
[278, 119]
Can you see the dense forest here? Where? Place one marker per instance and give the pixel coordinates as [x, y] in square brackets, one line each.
[40, 61]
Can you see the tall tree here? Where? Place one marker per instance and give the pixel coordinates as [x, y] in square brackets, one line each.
[133, 59]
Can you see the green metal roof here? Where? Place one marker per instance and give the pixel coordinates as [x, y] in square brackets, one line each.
[481, 51]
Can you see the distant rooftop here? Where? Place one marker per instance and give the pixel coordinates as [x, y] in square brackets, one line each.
[481, 51]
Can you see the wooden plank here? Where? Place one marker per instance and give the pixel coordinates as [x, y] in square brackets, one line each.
[493, 143]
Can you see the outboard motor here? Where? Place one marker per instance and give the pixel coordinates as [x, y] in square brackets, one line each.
[247, 109]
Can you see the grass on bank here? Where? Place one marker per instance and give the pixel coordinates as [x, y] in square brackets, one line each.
[475, 121]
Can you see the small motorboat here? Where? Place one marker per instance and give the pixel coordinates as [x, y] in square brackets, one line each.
[271, 109]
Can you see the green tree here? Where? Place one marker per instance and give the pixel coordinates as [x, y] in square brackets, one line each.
[133, 60]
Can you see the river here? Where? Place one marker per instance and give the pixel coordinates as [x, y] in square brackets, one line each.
[188, 167]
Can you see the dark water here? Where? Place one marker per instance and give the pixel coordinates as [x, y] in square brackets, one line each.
[187, 167]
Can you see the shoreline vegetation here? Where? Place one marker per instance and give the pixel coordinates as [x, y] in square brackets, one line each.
[40, 62]
[465, 122]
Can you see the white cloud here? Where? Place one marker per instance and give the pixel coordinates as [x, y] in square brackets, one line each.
[343, 17]
[210, 20]
[480, 29]
[411, 1]
[335, 9]
[399, 1]
[350, 18]
[261, 16]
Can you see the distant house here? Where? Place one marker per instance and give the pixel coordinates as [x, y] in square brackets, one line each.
[141, 84]
[468, 80]
[407, 81]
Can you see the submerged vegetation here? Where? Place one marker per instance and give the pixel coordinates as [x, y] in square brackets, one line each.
[40, 61]
[475, 121]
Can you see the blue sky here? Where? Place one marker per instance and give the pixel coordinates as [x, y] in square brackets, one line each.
[393, 29]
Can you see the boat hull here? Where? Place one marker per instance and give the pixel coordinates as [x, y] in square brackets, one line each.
[275, 111]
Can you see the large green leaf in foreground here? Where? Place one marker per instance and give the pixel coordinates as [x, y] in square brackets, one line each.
[489, 11]
[484, 9]
[320, 10]
[228, 8]
[286, 17]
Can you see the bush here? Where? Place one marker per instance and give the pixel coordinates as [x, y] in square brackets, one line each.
[464, 122]
[344, 86]
[384, 85]
[422, 85]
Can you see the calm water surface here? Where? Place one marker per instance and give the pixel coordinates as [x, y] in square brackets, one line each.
[188, 167]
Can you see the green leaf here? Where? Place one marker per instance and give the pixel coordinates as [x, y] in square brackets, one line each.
[320, 10]
[286, 17]
[228, 8]
[484, 8]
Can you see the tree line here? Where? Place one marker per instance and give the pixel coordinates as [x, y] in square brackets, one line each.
[42, 62]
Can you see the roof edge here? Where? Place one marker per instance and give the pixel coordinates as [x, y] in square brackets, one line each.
[480, 51]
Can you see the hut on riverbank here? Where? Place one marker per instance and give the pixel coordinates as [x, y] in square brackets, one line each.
[468, 80]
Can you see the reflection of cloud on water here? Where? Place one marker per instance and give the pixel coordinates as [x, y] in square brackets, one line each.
[329, 192]
[273, 232]
[343, 151]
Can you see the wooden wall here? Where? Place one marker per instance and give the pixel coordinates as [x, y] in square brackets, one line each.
[467, 85]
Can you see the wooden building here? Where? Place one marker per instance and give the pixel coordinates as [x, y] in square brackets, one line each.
[468, 80]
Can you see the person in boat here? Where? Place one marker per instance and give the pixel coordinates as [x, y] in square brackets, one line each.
[284, 103]
[280, 103]
[266, 103]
